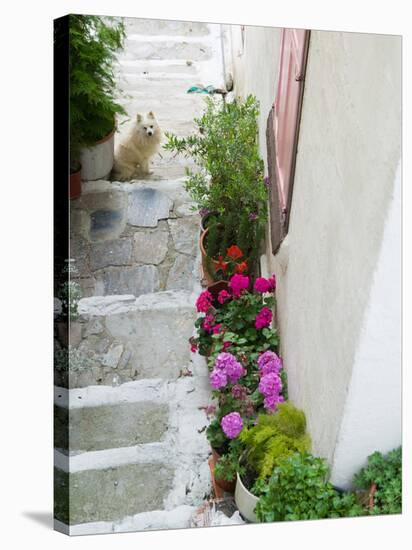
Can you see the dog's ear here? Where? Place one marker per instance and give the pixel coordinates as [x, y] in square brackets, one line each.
[150, 114]
[138, 117]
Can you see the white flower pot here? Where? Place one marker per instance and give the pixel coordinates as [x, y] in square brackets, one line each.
[97, 160]
[245, 501]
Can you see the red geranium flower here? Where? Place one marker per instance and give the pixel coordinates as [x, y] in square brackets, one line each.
[221, 264]
[234, 252]
[240, 268]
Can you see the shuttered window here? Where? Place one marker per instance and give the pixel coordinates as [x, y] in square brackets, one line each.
[283, 128]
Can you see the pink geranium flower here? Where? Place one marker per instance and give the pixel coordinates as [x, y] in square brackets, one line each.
[218, 379]
[216, 328]
[232, 425]
[262, 285]
[238, 283]
[204, 302]
[272, 281]
[208, 323]
[263, 318]
[269, 362]
[223, 296]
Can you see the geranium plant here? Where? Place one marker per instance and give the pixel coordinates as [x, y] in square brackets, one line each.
[233, 261]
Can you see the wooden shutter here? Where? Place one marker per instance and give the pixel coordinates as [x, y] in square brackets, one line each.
[283, 128]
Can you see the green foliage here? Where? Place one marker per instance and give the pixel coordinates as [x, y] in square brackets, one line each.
[298, 489]
[224, 147]
[229, 174]
[274, 438]
[386, 472]
[228, 464]
[93, 45]
[238, 317]
[213, 240]
[216, 437]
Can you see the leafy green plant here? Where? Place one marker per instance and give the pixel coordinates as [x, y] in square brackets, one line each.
[386, 472]
[228, 465]
[298, 489]
[94, 42]
[274, 438]
[229, 175]
[224, 147]
[238, 319]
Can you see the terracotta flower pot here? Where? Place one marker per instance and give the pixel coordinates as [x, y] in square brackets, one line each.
[205, 219]
[245, 501]
[75, 184]
[207, 264]
[227, 486]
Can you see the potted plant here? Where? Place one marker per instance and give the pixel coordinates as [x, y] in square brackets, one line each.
[298, 489]
[94, 42]
[381, 482]
[228, 184]
[230, 245]
[274, 438]
[237, 318]
[227, 466]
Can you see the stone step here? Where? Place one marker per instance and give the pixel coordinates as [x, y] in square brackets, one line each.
[177, 518]
[166, 49]
[162, 27]
[109, 426]
[157, 67]
[124, 338]
[169, 473]
[111, 494]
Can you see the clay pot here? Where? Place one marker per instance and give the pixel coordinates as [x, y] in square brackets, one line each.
[245, 501]
[205, 219]
[75, 184]
[213, 265]
[227, 486]
[97, 160]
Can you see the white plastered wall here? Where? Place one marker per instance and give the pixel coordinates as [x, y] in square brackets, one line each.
[372, 413]
[348, 154]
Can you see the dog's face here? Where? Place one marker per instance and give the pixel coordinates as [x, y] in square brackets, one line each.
[147, 124]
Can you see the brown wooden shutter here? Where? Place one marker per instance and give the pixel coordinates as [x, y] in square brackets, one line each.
[283, 129]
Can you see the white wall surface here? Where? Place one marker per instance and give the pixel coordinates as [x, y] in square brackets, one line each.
[372, 413]
[348, 153]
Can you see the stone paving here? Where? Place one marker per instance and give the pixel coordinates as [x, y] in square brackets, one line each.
[136, 449]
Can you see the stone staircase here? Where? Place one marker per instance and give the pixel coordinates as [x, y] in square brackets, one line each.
[136, 449]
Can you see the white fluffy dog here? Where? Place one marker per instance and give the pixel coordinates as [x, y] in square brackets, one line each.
[133, 155]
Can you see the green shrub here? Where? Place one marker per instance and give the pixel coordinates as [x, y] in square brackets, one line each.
[298, 489]
[93, 44]
[274, 438]
[224, 147]
[229, 178]
[386, 472]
